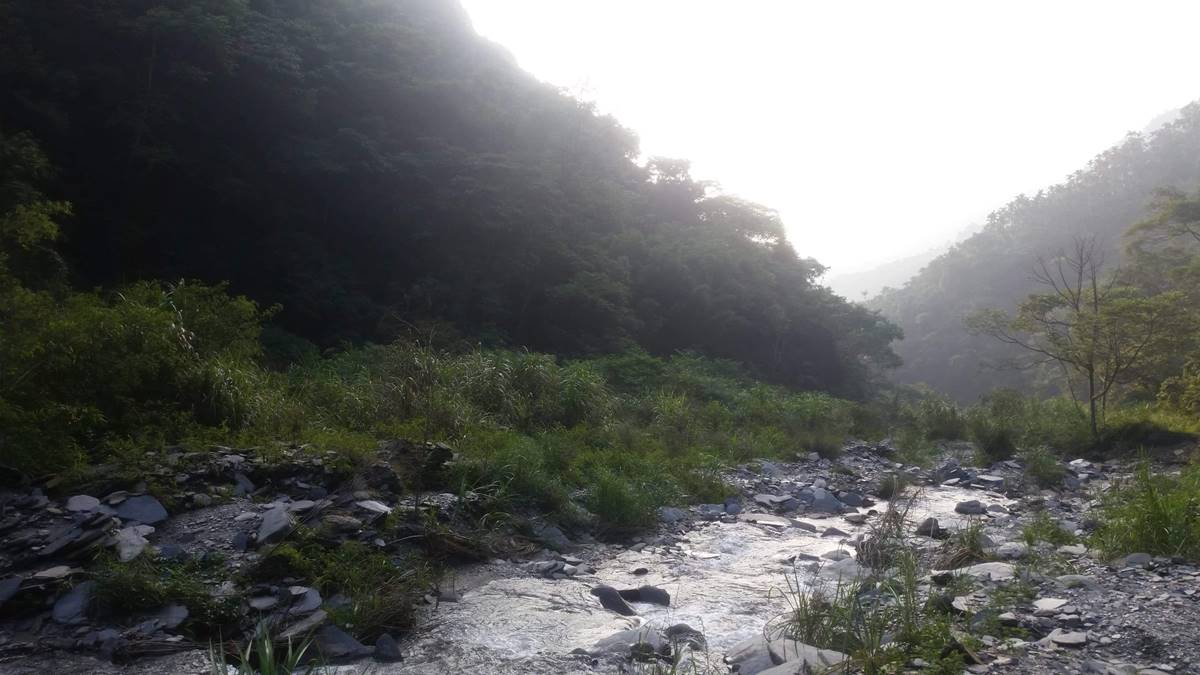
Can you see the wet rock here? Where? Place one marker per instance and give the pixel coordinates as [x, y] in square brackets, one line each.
[387, 650]
[971, 507]
[681, 633]
[650, 594]
[71, 608]
[765, 519]
[929, 528]
[82, 504]
[846, 569]
[336, 644]
[274, 526]
[623, 642]
[856, 518]
[836, 554]
[611, 600]
[143, 509]
[1072, 550]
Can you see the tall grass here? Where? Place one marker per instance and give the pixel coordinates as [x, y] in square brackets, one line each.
[1154, 513]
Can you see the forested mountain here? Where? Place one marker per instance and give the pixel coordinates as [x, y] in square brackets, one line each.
[994, 268]
[373, 164]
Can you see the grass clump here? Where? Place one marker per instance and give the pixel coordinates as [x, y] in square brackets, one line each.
[262, 656]
[1156, 513]
[147, 584]
[1043, 528]
[383, 592]
[1042, 467]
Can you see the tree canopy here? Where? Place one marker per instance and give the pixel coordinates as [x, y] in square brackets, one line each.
[373, 165]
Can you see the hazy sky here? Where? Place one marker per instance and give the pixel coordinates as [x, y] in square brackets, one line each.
[877, 129]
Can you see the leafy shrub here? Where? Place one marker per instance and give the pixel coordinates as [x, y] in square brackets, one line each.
[1042, 466]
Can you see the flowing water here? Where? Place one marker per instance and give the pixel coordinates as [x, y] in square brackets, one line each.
[726, 582]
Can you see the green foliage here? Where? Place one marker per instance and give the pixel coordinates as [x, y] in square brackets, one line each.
[147, 584]
[1042, 466]
[1043, 528]
[261, 656]
[991, 268]
[383, 592]
[1004, 421]
[1156, 513]
[370, 185]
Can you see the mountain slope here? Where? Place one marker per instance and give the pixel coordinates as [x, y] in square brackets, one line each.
[992, 268]
[371, 165]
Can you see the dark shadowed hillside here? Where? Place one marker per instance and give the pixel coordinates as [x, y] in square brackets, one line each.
[370, 165]
[993, 268]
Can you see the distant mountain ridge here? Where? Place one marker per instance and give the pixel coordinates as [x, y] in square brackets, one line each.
[991, 269]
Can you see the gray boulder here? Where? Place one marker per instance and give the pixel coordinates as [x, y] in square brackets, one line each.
[71, 608]
[335, 644]
[275, 524]
[971, 507]
[143, 508]
[386, 649]
[824, 502]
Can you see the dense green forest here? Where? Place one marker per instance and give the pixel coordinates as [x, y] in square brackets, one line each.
[377, 169]
[995, 269]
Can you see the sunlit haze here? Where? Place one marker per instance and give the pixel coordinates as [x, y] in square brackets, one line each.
[876, 129]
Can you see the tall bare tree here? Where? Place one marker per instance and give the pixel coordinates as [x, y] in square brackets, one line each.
[1087, 324]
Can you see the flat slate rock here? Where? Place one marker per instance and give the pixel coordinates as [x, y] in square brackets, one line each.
[995, 571]
[764, 519]
[1068, 638]
[82, 504]
[336, 644]
[275, 524]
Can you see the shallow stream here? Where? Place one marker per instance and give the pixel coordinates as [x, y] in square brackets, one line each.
[726, 582]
